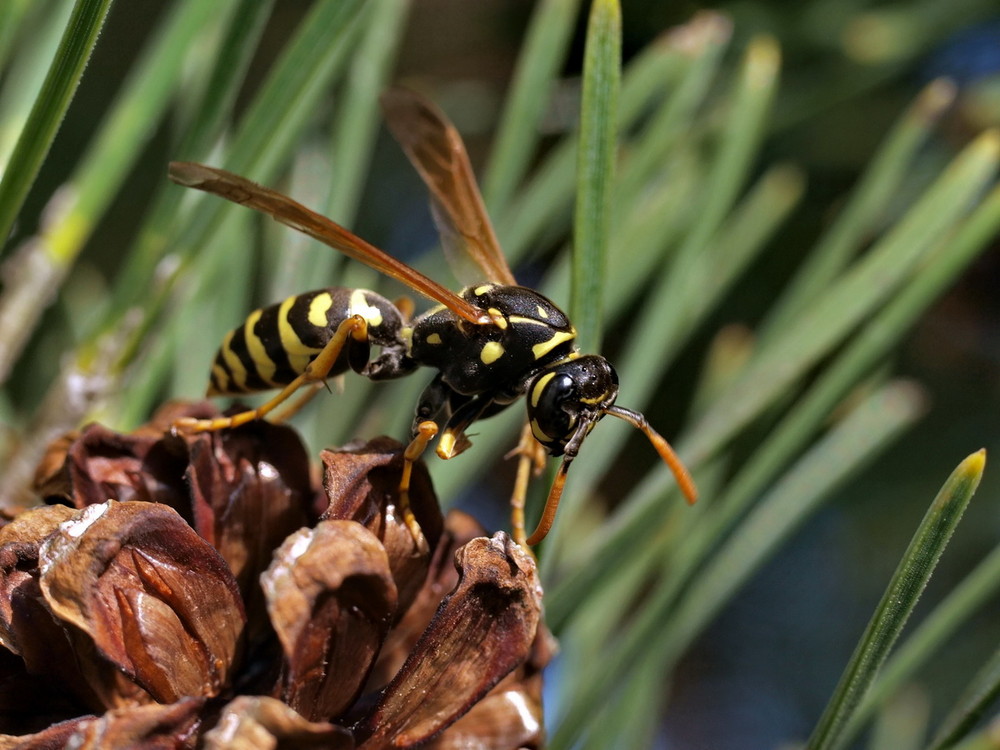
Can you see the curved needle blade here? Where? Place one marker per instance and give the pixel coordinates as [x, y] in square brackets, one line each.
[288, 211]
[437, 152]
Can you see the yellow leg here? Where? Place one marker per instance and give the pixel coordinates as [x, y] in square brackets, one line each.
[425, 433]
[354, 327]
[297, 405]
[531, 460]
[405, 307]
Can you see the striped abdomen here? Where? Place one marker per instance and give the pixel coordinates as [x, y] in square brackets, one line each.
[276, 343]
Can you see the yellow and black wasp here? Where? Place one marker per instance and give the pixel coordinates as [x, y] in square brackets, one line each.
[491, 343]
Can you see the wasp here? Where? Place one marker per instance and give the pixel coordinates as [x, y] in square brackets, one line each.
[491, 343]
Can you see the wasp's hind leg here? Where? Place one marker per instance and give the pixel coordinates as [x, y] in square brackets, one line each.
[354, 328]
[280, 417]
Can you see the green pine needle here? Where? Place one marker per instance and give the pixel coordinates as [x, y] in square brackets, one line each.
[899, 600]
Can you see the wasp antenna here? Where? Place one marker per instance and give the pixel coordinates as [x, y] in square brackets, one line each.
[681, 474]
[551, 504]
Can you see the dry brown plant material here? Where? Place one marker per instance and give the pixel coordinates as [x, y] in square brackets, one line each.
[201, 591]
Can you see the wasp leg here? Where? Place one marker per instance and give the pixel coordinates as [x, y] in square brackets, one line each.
[442, 404]
[435, 403]
[406, 308]
[297, 405]
[531, 460]
[453, 440]
[424, 434]
[354, 328]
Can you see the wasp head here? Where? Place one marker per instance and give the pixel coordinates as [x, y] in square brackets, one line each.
[566, 400]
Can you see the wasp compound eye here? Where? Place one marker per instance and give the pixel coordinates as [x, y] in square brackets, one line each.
[551, 423]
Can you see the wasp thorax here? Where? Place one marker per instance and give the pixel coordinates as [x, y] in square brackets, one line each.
[566, 400]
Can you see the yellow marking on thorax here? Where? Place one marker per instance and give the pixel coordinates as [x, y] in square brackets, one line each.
[492, 351]
[479, 291]
[290, 340]
[498, 318]
[233, 361]
[542, 312]
[359, 306]
[434, 338]
[540, 350]
[265, 366]
[521, 320]
[539, 387]
[318, 308]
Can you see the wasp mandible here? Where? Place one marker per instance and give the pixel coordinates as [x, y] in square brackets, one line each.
[491, 343]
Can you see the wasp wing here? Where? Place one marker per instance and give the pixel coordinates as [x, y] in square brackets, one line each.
[292, 213]
[436, 150]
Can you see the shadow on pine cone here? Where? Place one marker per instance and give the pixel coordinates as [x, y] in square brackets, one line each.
[204, 591]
